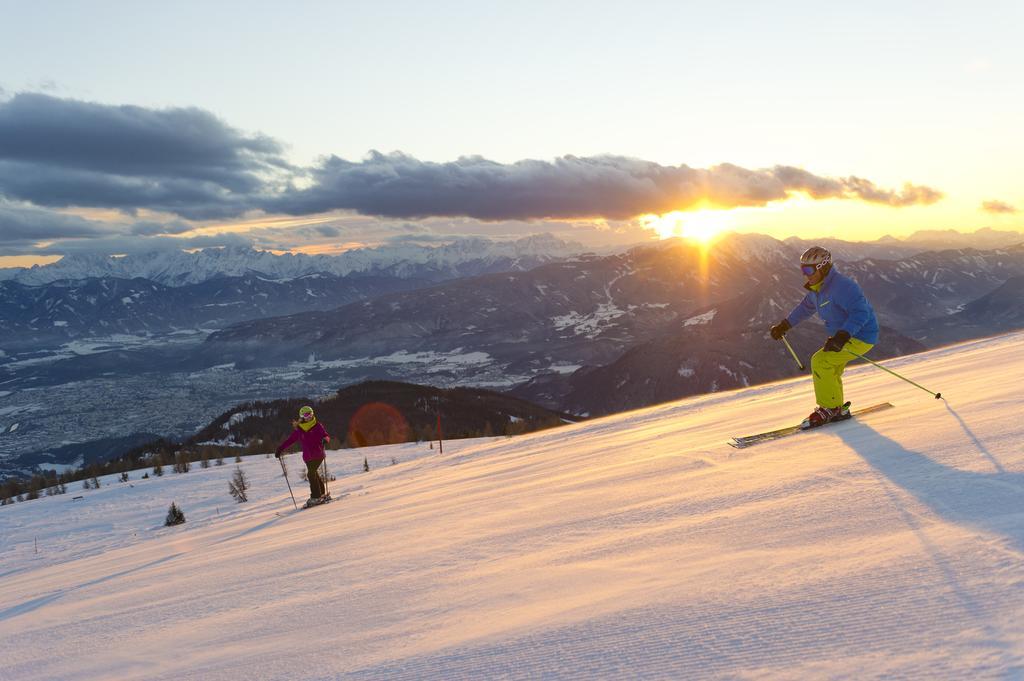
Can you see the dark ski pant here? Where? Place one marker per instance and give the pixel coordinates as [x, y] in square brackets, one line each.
[316, 484]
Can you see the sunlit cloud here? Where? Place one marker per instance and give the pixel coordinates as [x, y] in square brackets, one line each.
[998, 207]
[609, 187]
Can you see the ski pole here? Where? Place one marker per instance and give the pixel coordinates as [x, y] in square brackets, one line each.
[935, 395]
[285, 471]
[326, 475]
[326, 478]
[790, 348]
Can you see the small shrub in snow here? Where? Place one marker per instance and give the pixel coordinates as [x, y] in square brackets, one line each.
[220, 459]
[95, 482]
[366, 465]
[85, 484]
[238, 485]
[181, 463]
[124, 476]
[238, 459]
[205, 461]
[158, 470]
[174, 516]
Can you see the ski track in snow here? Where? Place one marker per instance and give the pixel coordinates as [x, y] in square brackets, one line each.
[634, 546]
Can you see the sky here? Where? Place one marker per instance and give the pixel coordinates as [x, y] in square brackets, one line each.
[319, 127]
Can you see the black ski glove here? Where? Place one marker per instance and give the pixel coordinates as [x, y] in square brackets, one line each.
[277, 453]
[835, 343]
[780, 329]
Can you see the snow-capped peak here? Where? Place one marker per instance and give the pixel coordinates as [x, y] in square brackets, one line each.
[179, 268]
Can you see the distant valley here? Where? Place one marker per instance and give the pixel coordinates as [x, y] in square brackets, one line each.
[100, 357]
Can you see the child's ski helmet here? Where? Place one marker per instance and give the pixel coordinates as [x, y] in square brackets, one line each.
[305, 413]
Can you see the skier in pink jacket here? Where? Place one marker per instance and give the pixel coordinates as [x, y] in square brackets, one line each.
[313, 436]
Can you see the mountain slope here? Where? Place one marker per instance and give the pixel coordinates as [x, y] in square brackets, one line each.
[62, 311]
[633, 546]
[1000, 310]
[723, 347]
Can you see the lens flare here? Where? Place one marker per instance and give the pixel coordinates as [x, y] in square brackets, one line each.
[377, 423]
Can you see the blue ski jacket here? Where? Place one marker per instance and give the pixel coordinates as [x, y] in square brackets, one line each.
[841, 304]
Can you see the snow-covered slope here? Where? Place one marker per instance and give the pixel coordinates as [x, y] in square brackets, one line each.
[634, 546]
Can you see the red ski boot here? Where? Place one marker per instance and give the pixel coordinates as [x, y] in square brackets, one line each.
[823, 415]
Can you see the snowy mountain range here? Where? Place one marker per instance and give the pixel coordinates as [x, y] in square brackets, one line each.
[462, 257]
[891, 248]
[635, 546]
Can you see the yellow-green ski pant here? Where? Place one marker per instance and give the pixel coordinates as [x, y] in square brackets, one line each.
[827, 369]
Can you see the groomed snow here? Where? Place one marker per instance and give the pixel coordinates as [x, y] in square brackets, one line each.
[634, 546]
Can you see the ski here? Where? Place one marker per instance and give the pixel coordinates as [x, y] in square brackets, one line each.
[304, 507]
[751, 440]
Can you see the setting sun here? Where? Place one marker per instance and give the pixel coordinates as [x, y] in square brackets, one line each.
[699, 225]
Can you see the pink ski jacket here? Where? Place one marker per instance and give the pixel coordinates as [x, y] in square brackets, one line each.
[312, 442]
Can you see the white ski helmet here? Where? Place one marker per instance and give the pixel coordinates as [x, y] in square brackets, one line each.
[816, 257]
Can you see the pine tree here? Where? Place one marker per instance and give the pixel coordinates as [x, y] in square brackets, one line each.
[174, 516]
[238, 485]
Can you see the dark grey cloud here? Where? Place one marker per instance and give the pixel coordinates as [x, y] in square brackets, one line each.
[63, 152]
[422, 238]
[611, 187]
[59, 153]
[118, 245]
[998, 207]
[154, 228]
[327, 230]
[798, 179]
[19, 223]
[23, 227]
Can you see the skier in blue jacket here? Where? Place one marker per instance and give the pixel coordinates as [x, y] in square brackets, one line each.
[851, 325]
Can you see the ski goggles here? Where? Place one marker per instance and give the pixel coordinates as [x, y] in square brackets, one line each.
[306, 417]
[808, 270]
